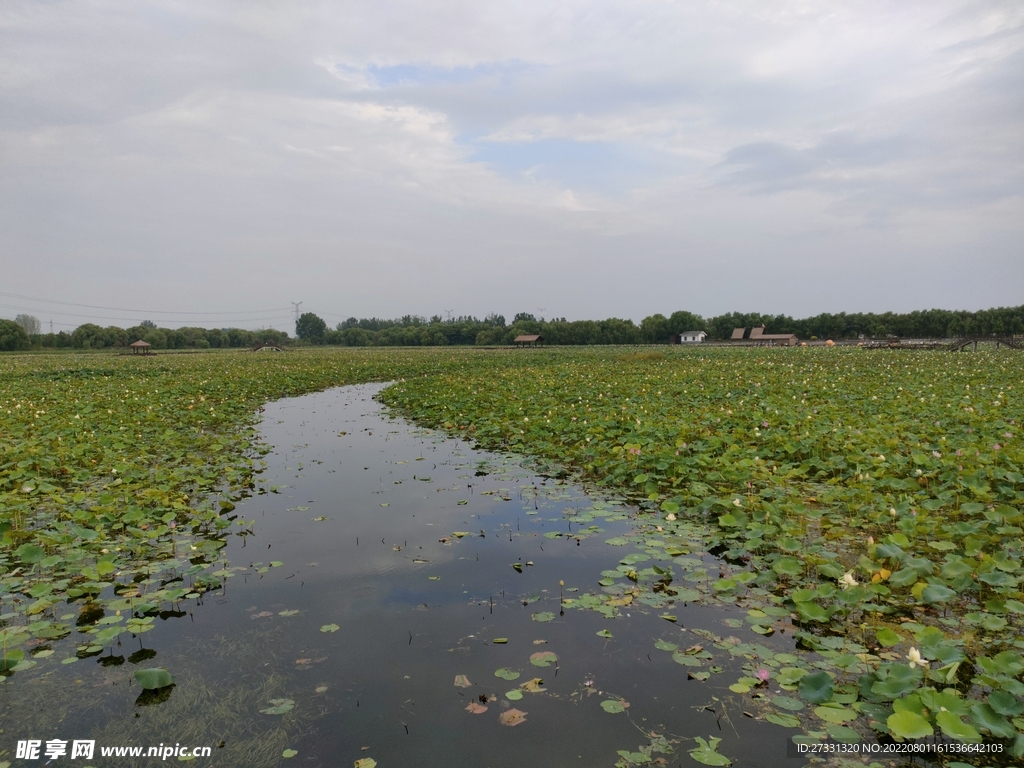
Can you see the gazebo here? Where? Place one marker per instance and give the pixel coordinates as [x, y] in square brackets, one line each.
[140, 347]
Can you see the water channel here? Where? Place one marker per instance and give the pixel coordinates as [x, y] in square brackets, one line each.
[390, 573]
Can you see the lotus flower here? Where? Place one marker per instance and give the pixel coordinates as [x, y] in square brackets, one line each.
[914, 657]
[848, 581]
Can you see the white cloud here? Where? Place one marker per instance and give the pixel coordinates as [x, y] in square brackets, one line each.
[383, 157]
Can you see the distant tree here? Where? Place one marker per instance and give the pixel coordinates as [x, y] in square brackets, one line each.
[89, 336]
[489, 337]
[270, 336]
[116, 337]
[13, 336]
[157, 337]
[617, 331]
[29, 323]
[358, 337]
[148, 325]
[654, 329]
[680, 322]
[175, 339]
[238, 337]
[310, 328]
[524, 317]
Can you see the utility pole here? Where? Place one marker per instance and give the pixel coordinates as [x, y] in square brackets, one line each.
[51, 327]
[296, 304]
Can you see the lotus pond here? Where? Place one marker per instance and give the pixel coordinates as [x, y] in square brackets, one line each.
[659, 551]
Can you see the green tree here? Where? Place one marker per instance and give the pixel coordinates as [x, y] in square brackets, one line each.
[157, 337]
[310, 328]
[89, 336]
[654, 329]
[29, 323]
[358, 337]
[12, 336]
[682, 321]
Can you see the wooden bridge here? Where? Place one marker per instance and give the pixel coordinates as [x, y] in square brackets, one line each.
[967, 341]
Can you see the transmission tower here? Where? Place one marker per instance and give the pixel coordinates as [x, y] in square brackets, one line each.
[449, 313]
[296, 304]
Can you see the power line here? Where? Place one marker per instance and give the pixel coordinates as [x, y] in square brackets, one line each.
[148, 311]
[182, 321]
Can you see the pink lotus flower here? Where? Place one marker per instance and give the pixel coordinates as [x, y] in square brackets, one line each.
[763, 675]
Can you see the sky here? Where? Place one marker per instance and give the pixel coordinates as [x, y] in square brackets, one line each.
[199, 163]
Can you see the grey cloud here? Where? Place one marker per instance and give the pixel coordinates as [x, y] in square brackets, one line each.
[331, 153]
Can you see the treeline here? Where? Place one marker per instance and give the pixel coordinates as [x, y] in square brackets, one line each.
[413, 330]
[924, 324]
[491, 331]
[658, 329]
[90, 336]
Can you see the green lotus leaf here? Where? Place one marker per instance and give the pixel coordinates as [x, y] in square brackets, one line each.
[985, 717]
[887, 638]
[936, 593]
[908, 725]
[151, 679]
[816, 688]
[706, 752]
[955, 728]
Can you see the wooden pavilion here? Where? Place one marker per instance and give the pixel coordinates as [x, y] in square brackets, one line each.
[140, 347]
[529, 340]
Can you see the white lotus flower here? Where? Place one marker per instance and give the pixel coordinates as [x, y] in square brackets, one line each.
[914, 657]
[848, 581]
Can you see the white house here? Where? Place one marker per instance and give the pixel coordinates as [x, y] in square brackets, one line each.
[691, 337]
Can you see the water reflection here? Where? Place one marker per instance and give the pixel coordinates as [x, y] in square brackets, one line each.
[389, 574]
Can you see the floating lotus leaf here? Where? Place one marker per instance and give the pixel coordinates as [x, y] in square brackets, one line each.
[151, 679]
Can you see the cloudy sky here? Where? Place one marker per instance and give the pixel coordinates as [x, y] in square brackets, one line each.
[180, 158]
